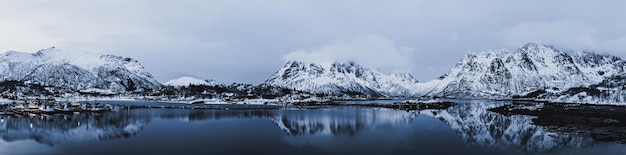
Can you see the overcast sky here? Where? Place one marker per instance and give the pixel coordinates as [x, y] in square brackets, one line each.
[246, 41]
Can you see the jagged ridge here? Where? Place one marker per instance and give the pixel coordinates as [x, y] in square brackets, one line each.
[341, 78]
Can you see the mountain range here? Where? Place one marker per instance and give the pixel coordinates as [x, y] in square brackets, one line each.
[534, 71]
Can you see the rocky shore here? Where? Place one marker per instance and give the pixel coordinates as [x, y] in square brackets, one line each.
[600, 122]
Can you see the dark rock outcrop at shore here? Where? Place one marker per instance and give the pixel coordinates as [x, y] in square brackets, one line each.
[600, 122]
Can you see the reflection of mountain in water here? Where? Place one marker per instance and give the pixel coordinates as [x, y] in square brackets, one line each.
[476, 125]
[348, 121]
[200, 114]
[60, 128]
[54, 129]
[473, 122]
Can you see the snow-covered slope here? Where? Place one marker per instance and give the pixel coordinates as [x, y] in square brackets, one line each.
[611, 90]
[504, 73]
[186, 81]
[77, 71]
[341, 78]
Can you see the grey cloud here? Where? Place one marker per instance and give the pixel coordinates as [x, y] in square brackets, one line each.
[243, 41]
[371, 51]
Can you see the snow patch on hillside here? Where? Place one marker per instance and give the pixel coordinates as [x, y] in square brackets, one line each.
[186, 81]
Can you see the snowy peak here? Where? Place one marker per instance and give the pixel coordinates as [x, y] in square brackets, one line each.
[537, 47]
[340, 78]
[505, 73]
[75, 70]
[187, 81]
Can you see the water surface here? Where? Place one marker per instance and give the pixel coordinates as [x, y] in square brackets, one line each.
[467, 128]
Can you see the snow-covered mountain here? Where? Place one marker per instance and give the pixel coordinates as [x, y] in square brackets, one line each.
[505, 73]
[186, 81]
[341, 78]
[76, 71]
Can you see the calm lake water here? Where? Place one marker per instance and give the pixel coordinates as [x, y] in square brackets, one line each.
[467, 128]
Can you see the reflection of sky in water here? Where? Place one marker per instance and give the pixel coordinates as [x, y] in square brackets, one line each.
[466, 128]
[23, 147]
